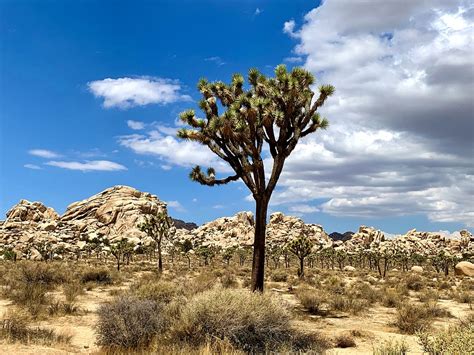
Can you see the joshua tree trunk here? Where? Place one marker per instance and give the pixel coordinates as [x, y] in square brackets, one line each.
[258, 265]
[301, 273]
[160, 259]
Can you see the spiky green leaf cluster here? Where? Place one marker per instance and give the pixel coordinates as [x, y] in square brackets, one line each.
[276, 111]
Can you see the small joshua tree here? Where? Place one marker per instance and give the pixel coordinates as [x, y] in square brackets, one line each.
[119, 249]
[275, 111]
[301, 247]
[186, 247]
[157, 227]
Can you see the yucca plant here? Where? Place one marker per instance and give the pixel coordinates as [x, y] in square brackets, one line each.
[274, 112]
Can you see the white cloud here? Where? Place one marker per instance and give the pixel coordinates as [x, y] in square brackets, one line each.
[400, 140]
[218, 207]
[135, 125]
[257, 11]
[32, 166]
[162, 143]
[43, 153]
[289, 28]
[166, 167]
[293, 59]
[176, 205]
[92, 165]
[216, 60]
[129, 92]
[303, 209]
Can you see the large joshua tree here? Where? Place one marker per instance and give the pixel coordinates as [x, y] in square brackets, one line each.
[240, 121]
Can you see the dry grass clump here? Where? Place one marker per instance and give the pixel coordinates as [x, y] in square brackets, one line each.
[128, 323]
[348, 303]
[159, 291]
[428, 295]
[454, 340]
[414, 282]
[311, 299]
[463, 296]
[228, 280]
[392, 297]
[202, 282]
[412, 318]
[344, 341]
[28, 283]
[249, 321]
[97, 275]
[391, 348]
[365, 292]
[279, 275]
[14, 328]
[72, 290]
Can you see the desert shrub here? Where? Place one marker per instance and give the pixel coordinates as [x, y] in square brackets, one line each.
[411, 318]
[391, 298]
[29, 283]
[463, 296]
[201, 283]
[433, 310]
[100, 276]
[279, 275]
[454, 340]
[14, 328]
[414, 282]
[72, 290]
[312, 300]
[128, 323]
[347, 303]
[228, 280]
[249, 321]
[344, 341]
[158, 291]
[336, 285]
[391, 348]
[365, 292]
[428, 295]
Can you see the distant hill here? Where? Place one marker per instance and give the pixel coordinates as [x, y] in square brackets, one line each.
[179, 224]
[338, 236]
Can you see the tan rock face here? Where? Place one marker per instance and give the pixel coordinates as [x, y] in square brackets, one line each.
[238, 231]
[464, 268]
[110, 214]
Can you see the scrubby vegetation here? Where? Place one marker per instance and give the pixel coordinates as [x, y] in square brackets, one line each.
[208, 308]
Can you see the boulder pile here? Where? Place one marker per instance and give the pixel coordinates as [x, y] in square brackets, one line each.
[108, 215]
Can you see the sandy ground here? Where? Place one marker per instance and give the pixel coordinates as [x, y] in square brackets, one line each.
[373, 325]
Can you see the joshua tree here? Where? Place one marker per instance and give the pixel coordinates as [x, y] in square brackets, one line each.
[186, 247]
[157, 227]
[301, 247]
[275, 111]
[119, 249]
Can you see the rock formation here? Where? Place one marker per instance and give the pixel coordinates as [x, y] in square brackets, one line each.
[104, 217]
[238, 231]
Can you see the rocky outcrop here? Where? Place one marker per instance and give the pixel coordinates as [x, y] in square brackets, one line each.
[238, 231]
[102, 218]
[464, 268]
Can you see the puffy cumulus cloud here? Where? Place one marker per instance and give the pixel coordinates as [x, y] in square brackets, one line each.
[162, 143]
[176, 205]
[32, 166]
[43, 153]
[135, 125]
[88, 165]
[129, 92]
[402, 118]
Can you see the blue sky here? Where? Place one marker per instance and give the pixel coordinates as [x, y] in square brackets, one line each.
[67, 132]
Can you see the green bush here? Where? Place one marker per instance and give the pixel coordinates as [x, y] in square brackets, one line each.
[249, 321]
[128, 323]
[100, 276]
[312, 300]
[454, 340]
